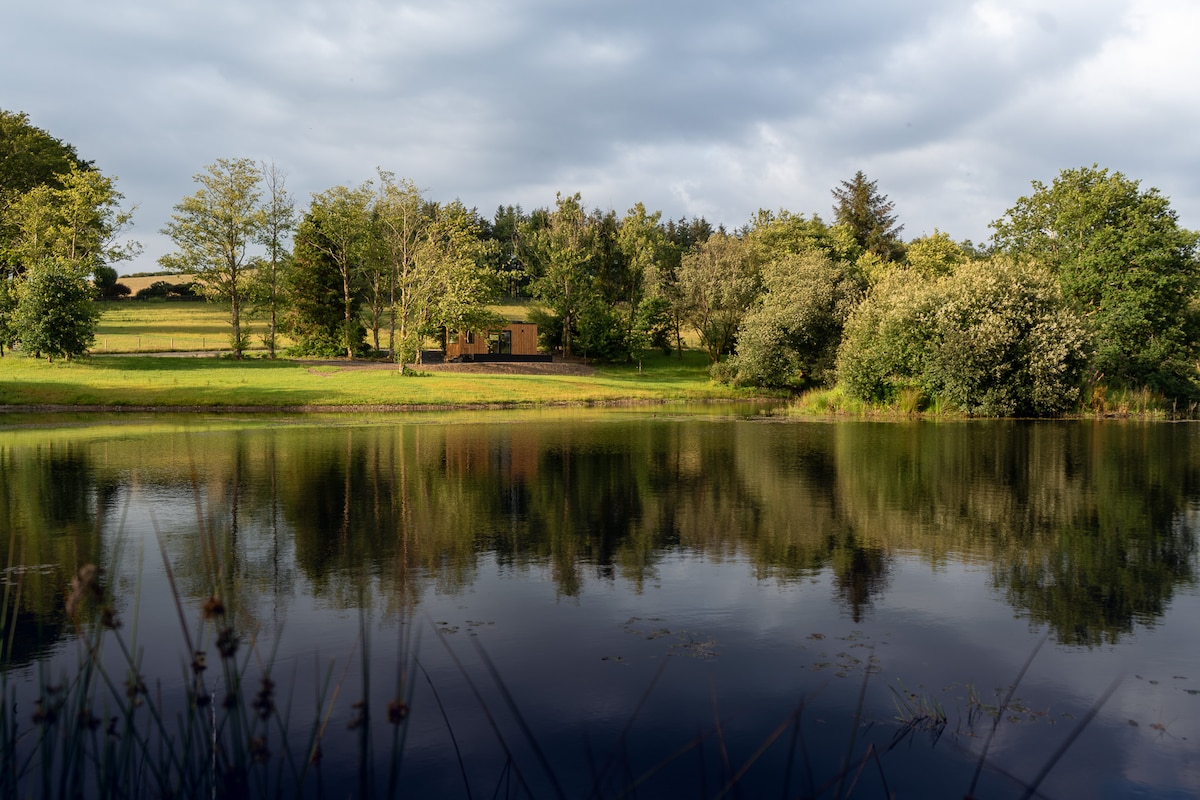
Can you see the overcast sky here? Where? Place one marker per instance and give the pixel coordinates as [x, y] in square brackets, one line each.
[693, 107]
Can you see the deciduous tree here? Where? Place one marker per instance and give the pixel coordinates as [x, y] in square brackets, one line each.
[77, 221]
[719, 283]
[934, 255]
[791, 336]
[994, 338]
[454, 259]
[1125, 265]
[561, 251]
[398, 218]
[270, 271]
[55, 315]
[30, 157]
[314, 318]
[213, 230]
[643, 243]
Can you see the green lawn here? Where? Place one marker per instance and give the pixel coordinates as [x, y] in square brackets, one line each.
[108, 378]
[219, 382]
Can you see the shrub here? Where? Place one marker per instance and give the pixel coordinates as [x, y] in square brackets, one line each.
[792, 335]
[992, 338]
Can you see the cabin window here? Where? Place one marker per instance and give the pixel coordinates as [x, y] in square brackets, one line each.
[500, 342]
[452, 337]
[470, 337]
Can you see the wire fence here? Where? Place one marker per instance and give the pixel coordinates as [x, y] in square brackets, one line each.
[177, 343]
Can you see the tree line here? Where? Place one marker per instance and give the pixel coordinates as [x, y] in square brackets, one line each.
[1087, 284]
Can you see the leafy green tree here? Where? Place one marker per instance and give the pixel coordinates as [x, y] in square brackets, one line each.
[662, 281]
[213, 230]
[1125, 265]
[994, 338]
[54, 314]
[560, 247]
[868, 215]
[884, 341]
[29, 157]
[719, 283]
[343, 217]
[78, 220]
[643, 243]
[775, 235]
[105, 281]
[791, 337]
[269, 274]
[934, 255]
[8, 309]
[399, 214]
[457, 282]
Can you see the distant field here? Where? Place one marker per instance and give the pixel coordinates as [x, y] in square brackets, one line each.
[137, 284]
[138, 326]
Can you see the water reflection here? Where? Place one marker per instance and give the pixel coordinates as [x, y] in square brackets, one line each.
[1087, 528]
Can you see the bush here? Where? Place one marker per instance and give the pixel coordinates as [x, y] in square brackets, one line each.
[992, 338]
[792, 336]
[166, 290]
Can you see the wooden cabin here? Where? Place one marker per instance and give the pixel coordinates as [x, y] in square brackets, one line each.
[516, 341]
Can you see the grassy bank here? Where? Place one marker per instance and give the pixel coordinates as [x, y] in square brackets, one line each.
[1138, 403]
[213, 382]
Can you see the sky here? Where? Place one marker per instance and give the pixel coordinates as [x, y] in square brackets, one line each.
[691, 107]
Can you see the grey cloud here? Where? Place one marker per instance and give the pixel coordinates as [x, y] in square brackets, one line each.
[705, 107]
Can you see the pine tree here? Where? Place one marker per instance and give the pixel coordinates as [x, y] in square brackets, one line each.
[869, 215]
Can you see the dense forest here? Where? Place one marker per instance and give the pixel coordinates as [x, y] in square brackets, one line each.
[1087, 285]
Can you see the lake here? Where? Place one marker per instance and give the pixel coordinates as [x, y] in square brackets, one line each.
[645, 601]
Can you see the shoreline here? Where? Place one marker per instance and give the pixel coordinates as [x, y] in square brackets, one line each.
[366, 408]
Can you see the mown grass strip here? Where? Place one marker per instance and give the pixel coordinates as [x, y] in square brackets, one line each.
[214, 382]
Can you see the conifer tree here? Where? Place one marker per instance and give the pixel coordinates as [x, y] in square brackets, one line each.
[869, 216]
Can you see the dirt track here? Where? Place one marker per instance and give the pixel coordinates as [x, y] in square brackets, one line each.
[479, 368]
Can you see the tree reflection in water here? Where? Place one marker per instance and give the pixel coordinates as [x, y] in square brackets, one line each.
[1087, 527]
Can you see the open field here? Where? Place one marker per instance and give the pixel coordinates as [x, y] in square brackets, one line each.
[142, 326]
[136, 284]
[156, 326]
[175, 382]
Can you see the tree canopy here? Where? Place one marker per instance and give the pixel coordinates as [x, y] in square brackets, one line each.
[31, 157]
[1124, 264]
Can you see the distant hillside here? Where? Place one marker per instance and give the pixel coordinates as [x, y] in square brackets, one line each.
[138, 282]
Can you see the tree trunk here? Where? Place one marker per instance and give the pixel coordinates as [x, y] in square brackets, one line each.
[236, 320]
[346, 308]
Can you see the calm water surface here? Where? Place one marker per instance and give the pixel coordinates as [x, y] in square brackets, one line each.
[662, 599]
